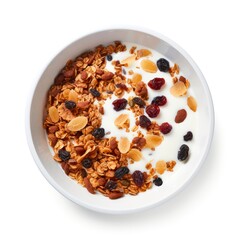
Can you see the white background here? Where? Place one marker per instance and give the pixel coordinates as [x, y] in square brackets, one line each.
[32, 32]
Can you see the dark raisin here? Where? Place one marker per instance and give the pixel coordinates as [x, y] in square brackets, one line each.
[141, 103]
[119, 104]
[158, 181]
[109, 57]
[144, 122]
[156, 83]
[64, 155]
[183, 152]
[83, 172]
[165, 128]
[159, 100]
[163, 65]
[120, 172]
[70, 105]
[98, 133]
[188, 136]
[138, 178]
[87, 162]
[95, 92]
[110, 185]
[152, 110]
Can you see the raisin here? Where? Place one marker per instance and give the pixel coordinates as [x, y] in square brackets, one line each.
[83, 172]
[110, 185]
[144, 121]
[120, 172]
[156, 83]
[158, 181]
[119, 104]
[139, 102]
[138, 178]
[95, 92]
[163, 65]
[70, 105]
[188, 136]
[165, 128]
[159, 100]
[183, 152]
[152, 110]
[124, 71]
[87, 162]
[98, 133]
[122, 86]
[109, 57]
[64, 155]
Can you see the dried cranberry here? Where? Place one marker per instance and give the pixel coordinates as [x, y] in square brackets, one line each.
[98, 133]
[156, 83]
[159, 100]
[188, 136]
[64, 155]
[144, 121]
[165, 128]
[87, 162]
[152, 110]
[158, 181]
[138, 178]
[95, 92]
[120, 172]
[119, 104]
[163, 65]
[139, 102]
[70, 105]
[110, 185]
[109, 57]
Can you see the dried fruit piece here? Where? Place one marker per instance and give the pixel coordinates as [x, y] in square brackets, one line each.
[121, 120]
[109, 57]
[77, 124]
[161, 166]
[115, 195]
[152, 110]
[64, 155]
[178, 89]
[141, 103]
[83, 172]
[165, 128]
[158, 182]
[183, 152]
[163, 65]
[138, 178]
[136, 78]
[143, 53]
[188, 136]
[70, 105]
[180, 116]
[87, 162]
[120, 172]
[134, 154]
[129, 60]
[159, 101]
[110, 185]
[73, 96]
[144, 122]
[98, 133]
[148, 66]
[153, 141]
[123, 145]
[119, 104]
[94, 92]
[139, 142]
[53, 114]
[156, 83]
[192, 103]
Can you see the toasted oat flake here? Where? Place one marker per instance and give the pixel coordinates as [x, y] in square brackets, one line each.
[121, 120]
[129, 60]
[124, 145]
[53, 114]
[161, 166]
[148, 66]
[192, 103]
[134, 154]
[77, 123]
[73, 96]
[153, 141]
[178, 89]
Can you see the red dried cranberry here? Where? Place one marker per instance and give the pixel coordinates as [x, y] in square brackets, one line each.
[156, 83]
[159, 100]
[144, 121]
[165, 128]
[119, 104]
[152, 110]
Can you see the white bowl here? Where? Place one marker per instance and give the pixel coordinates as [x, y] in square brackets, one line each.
[38, 142]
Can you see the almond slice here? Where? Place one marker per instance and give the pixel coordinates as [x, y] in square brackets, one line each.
[136, 78]
[121, 120]
[123, 145]
[73, 96]
[77, 123]
[129, 60]
[161, 166]
[178, 89]
[148, 66]
[143, 53]
[192, 103]
[153, 141]
[53, 114]
[66, 93]
[134, 154]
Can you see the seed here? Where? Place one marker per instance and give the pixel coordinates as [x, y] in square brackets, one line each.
[70, 105]
[98, 133]
[87, 163]
[64, 155]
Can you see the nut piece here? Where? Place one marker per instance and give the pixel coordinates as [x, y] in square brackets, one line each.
[121, 121]
[153, 141]
[88, 185]
[115, 195]
[124, 145]
[148, 66]
[192, 103]
[129, 60]
[53, 114]
[107, 76]
[181, 115]
[178, 89]
[77, 124]
[143, 53]
[73, 96]
[161, 166]
[134, 154]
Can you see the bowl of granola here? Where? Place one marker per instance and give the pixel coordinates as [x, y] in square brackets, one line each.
[115, 122]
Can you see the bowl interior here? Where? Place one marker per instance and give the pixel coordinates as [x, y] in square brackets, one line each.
[39, 145]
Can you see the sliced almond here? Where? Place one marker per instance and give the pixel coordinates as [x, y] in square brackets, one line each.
[178, 89]
[129, 60]
[148, 66]
[73, 96]
[161, 166]
[134, 154]
[153, 141]
[66, 93]
[124, 145]
[192, 103]
[136, 78]
[53, 114]
[143, 53]
[77, 124]
[121, 120]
